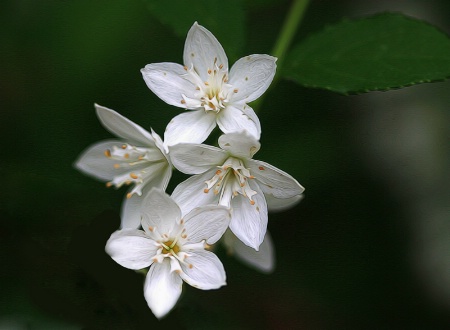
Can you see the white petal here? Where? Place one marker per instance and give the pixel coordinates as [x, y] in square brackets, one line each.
[251, 76]
[239, 144]
[131, 212]
[196, 158]
[203, 51]
[280, 204]
[249, 222]
[234, 119]
[190, 127]
[274, 181]
[123, 127]
[262, 260]
[190, 193]
[203, 270]
[167, 81]
[206, 223]
[159, 211]
[93, 161]
[131, 248]
[162, 288]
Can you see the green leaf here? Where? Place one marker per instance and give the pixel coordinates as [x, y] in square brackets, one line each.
[381, 52]
[225, 19]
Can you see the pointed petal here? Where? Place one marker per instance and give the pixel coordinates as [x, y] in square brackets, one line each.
[262, 260]
[159, 211]
[162, 288]
[196, 158]
[203, 51]
[239, 144]
[190, 193]
[167, 81]
[190, 127]
[249, 222]
[206, 223]
[203, 270]
[234, 119]
[131, 212]
[123, 127]
[252, 75]
[131, 249]
[280, 204]
[93, 161]
[274, 181]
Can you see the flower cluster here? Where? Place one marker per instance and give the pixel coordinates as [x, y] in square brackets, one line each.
[227, 197]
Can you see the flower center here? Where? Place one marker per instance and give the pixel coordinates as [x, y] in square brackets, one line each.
[132, 165]
[212, 94]
[170, 247]
[230, 180]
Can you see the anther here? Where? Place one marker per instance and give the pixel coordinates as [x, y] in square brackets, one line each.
[261, 168]
[191, 266]
[236, 90]
[151, 228]
[124, 146]
[185, 68]
[218, 172]
[133, 176]
[129, 195]
[209, 71]
[108, 184]
[221, 66]
[183, 102]
[126, 156]
[206, 191]
[252, 202]
[116, 166]
[107, 153]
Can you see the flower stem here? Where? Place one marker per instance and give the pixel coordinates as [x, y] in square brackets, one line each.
[288, 30]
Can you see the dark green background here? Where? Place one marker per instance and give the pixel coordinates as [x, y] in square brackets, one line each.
[347, 255]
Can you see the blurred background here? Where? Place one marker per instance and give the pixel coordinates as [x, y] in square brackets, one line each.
[367, 248]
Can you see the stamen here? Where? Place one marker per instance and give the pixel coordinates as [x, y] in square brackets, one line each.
[185, 68]
[183, 102]
[133, 176]
[108, 153]
[206, 191]
[116, 166]
[124, 146]
[151, 228]
[126, 156]
[236, 90]
[261, 168]
[209, 71]
[221, 66]
[108, 184]
[252, 202]
[129, 195]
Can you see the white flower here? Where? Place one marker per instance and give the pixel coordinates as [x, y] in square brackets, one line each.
[205, 87]
[173, 247]
[229, 177]
[139, 159]
[262, 260]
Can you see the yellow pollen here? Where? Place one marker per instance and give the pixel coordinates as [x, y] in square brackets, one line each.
[124, 146]
[133, 176]
[212, 105]
[175, 248]
[129, 195]
[206, 191]
[183, 102]
[206, 83]
[252, 202]
[108, 153]
[191, 266]
[116, 166]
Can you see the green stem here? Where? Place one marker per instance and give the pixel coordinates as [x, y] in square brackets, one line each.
[288, 30]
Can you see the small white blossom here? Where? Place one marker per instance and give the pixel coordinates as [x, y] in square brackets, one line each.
[140, 159]
[173, 247]
[229, 177]
[206, 88]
